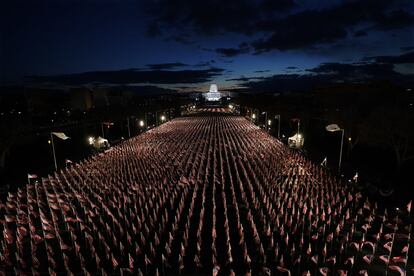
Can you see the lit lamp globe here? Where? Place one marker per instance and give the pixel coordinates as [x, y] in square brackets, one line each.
[91, 140]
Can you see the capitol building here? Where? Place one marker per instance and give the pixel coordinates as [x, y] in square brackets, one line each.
[213, 95]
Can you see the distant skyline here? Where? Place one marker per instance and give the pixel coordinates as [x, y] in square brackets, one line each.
[186, 45]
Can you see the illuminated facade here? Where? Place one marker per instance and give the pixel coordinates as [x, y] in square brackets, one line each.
[213, 95]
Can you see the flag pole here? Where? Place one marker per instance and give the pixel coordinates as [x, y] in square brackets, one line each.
[129, 129]
[278, 128]
[102, 128]
[53, 150]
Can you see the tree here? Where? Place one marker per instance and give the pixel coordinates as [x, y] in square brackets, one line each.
[392, 126]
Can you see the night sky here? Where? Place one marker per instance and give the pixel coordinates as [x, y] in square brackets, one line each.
[187, 44]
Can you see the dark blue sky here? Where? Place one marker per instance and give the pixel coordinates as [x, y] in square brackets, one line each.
[185, 43]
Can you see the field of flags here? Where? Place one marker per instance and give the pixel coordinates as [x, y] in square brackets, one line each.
[212, 110]
[202, 195]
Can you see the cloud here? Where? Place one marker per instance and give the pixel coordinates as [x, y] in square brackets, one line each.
[394, 20]
[144, 90]
[134, 76]
[183, 39]
[381, 68]
[401, 59]
[284, 25]
[261, 71]
[214, 16]
[231, 52]
[407, 48]
[360, 33]
[312, 27]
[356, 71]
[205, 63]
[164, 66]
[245, 79]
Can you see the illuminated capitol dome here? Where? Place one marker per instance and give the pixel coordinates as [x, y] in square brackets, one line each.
[213, 95]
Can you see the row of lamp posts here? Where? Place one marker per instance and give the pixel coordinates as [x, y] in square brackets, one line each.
[329, 128]
[142, 124]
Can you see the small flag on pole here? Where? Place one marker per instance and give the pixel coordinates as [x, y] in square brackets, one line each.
[60, 135]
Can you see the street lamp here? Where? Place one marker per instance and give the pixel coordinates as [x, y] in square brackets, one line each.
[265, 113]
[141, 123]
[335, 128]
[108, 125]
[278, 125]
[61, 136]
[91, 140]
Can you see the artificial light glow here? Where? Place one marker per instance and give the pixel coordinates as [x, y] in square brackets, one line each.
[141, 123]
[48, 141]
[230, 106]
[91, 140]
[300, 136]
[269, 122]
[162, 118]
[349, 139]
[254, 116]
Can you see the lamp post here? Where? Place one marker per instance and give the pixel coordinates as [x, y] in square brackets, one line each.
[108, 124]
[278, 126]
[269, 122]
[129, 129]
[265, 113]
[103, 131]
[335, 128]
[61, 136]
[53, 150]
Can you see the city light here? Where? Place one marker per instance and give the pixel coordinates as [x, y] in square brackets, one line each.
[269, 122]
[163, 118]
[49, 142]
[230, 106]
[141, 123]
[254, 116]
